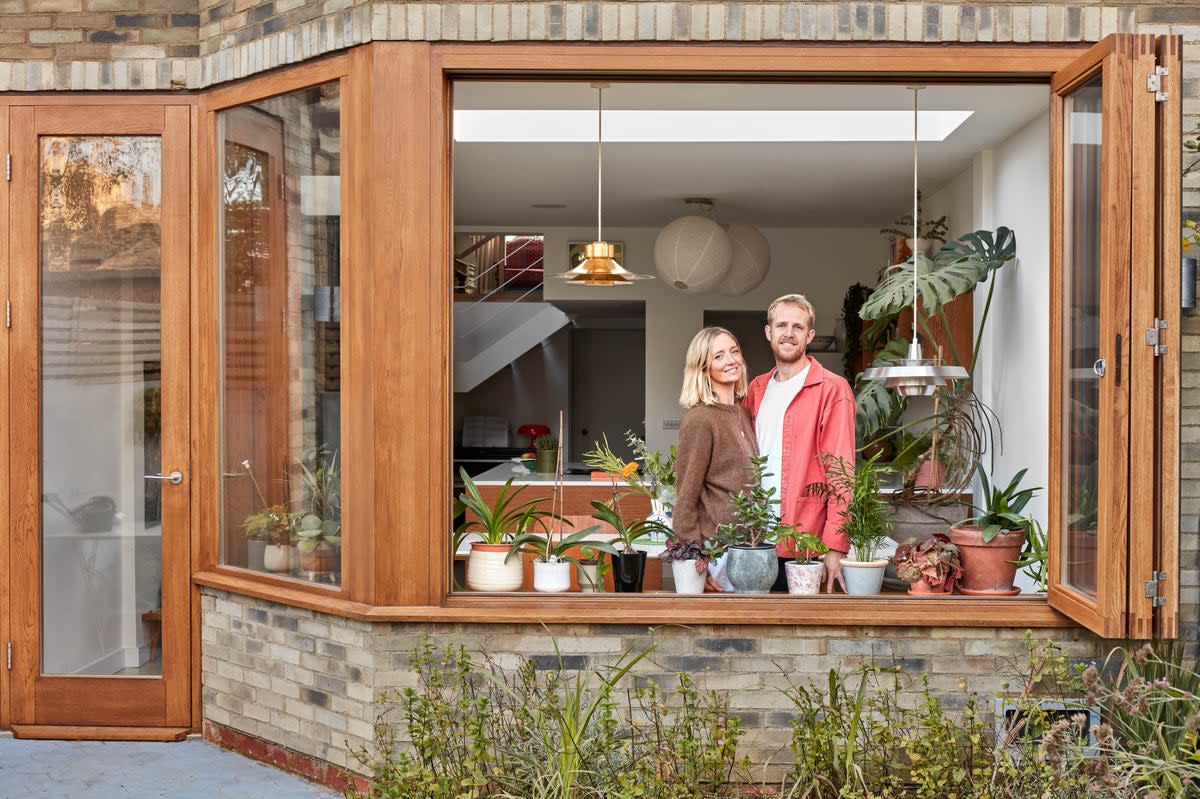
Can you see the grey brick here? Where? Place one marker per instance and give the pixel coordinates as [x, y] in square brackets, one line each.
[554, 662]
[285, 622]
[693, 663]
[315, 697]
[591, 21]
[933, 23]
[719, 645]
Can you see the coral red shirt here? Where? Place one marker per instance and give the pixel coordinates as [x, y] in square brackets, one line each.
[819, 420]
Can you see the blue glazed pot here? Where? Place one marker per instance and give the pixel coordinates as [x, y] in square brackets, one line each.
[752, 570]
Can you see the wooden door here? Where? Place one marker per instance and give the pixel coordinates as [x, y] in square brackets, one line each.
[1114, 393]
[99, 489]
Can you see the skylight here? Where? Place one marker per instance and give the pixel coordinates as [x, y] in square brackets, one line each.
[509, 125]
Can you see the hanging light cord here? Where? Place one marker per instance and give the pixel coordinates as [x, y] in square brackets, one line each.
[599, 160]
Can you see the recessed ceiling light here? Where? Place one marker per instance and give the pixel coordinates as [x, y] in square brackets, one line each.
[496, 125]
[548, 205]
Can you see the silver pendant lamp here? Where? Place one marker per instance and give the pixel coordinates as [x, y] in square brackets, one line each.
[599, 267]
[916, 375]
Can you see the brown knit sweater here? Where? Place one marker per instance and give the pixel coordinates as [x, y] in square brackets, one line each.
[715, 446]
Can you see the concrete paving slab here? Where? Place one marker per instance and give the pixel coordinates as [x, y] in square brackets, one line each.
[191, 769]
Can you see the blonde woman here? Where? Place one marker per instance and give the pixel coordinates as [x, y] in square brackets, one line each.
[716, 438]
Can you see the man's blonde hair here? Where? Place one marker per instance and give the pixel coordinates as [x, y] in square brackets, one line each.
[697, 385]
[800, 301]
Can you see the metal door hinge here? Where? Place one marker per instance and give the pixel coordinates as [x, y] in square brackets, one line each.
[1154, 84]
[1151, 590]
[8, 314]
[10, 655]
[282, 187]
[8, 167]
[1152, 336]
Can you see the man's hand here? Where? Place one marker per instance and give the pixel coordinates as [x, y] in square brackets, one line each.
[833, 570]
[710, 586]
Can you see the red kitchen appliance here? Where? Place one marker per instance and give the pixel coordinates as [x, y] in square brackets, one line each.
[533, 431]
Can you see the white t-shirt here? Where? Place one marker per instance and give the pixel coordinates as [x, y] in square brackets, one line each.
[768, 425]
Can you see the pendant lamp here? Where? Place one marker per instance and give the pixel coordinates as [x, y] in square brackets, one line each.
[599, 267]
[916, 375]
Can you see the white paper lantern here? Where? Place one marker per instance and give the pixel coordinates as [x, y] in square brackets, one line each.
[692, 254]
[751, 259]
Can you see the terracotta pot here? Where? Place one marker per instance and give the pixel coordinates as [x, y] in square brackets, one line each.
[922, 588]
[490, 569]
[988, 568]
[321, 560]
[1080, 557]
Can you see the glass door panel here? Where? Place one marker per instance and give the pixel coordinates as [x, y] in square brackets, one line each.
[101, 225]
[1081, 357]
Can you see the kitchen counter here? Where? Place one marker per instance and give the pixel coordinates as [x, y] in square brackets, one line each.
[497, 475]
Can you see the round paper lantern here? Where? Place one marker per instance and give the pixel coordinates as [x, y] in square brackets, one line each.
[692, 254]
[751, 259]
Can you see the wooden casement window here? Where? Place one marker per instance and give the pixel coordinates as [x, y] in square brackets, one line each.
[1115, 257]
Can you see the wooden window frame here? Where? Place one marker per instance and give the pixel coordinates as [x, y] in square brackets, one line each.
[396, 424]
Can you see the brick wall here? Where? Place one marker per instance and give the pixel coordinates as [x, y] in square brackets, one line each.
[306, 681]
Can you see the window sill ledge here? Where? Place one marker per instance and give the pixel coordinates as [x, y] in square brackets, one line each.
[880, 611]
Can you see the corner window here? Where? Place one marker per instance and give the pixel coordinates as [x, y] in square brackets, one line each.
[279, 162]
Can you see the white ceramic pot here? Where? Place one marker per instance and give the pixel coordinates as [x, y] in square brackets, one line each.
[804, 578]
[490, 569]
[863, 577]
[280, 559]
[687, 581]
[589, 578]
[552, 578]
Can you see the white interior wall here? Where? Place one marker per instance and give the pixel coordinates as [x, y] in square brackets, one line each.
[819, 263]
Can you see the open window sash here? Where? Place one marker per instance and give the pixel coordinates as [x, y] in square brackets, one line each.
[1110, 210]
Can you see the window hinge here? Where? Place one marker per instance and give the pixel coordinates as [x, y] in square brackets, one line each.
[1152, 336]
[1151, 590]
[10, 655]
[1154, 84]
[8, 167]
[282, 187]
[8, 314]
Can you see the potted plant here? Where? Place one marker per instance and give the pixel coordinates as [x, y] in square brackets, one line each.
[273, 525]
[628, 562]
[689, 564]
[869, 518]
[929, 233]
[1032, 561]
[750, 540]
[490, 565]
[552, 559]
[592, 568]
[546, 447]
[804, 571]
[992, 540]
[319, 529]
[656, 478]
[931, 566]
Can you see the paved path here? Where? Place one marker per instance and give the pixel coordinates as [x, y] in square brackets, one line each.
[191, 769]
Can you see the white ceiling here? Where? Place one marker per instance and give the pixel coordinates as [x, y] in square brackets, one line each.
[771, 184]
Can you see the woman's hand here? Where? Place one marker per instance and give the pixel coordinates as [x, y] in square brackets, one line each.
[710, 586]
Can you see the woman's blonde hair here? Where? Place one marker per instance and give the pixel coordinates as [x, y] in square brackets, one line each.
[697, 385]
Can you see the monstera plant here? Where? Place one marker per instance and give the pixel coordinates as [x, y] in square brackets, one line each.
[960, 428]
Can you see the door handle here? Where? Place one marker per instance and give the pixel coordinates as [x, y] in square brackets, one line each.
[174, 478]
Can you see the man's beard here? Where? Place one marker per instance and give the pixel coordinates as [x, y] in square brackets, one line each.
[800, 353]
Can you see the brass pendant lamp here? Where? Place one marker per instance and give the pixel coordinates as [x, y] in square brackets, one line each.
[599, 267]
[916, 375]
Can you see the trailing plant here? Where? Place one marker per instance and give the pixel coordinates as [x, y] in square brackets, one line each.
[1002, 508]
[756, 520]
[868, 515]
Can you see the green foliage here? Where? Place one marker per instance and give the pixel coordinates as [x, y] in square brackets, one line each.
[934, 561]
[869, 516]
[273, 524]
[935, 229]
[545, 442]
[754, 509]
[471, 730]
[657, 478]
[312, 531]
[806, 546]
[1032, 560]
[1002, 508]
[501, 521]
[552, 547]
[628, 533]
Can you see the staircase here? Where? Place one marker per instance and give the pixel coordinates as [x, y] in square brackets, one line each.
[494, 330]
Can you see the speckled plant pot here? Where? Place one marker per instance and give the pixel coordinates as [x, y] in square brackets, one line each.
[804, 578]
[752, 570]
